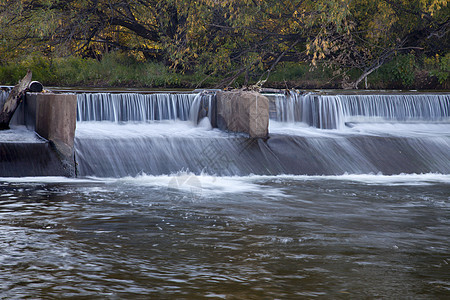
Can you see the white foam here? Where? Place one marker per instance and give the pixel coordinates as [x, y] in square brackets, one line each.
[210, 185]
[412, 129]
[298, 129]
[166, 129]
[19, 134]
[205, 124]
[204, 184]
[48, 179]
[403, 129]
[207, 185]
[378, 179]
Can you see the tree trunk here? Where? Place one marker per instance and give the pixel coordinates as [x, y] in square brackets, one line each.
[365, 74]
[14, 98]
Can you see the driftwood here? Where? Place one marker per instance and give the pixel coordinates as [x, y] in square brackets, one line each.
[13, 101]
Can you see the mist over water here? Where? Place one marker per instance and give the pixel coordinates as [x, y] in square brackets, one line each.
[167, 207]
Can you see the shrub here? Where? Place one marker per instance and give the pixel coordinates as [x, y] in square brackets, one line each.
[438, 66]
[403, 70]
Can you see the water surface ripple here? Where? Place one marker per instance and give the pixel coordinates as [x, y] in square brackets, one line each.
[283, 237]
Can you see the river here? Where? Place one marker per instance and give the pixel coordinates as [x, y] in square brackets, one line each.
[149, 217]
[252, 237]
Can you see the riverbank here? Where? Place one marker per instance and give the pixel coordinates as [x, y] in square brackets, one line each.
[121, 71]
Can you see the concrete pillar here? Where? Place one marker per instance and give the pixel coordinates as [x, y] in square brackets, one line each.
[55, 120]
[243, 111]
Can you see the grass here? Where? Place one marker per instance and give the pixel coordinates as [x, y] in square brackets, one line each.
[120, 70]
[113, 70]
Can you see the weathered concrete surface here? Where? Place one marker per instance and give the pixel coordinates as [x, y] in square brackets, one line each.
[29, 159]
[55, 120]
[243, 111]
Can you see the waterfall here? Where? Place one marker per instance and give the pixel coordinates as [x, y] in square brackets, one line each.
[160, 134]
[135, 107]
[3, 96]
[203, 104]
[333, 111]
[130, 144]
[131, 154]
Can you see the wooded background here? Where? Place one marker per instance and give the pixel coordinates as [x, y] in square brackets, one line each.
[228, 40]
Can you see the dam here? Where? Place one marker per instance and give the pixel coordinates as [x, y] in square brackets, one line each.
[127, 134]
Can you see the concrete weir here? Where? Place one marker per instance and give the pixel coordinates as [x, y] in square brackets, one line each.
[243, 111]
[53, 118]
[48, 146]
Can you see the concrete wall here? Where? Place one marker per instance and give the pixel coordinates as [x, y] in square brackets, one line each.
[243, 111]
[53, 117]
[30, 158]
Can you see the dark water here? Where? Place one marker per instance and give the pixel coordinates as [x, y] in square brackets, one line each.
[256, 237]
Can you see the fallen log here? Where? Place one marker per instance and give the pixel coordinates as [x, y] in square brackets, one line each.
[13, 101]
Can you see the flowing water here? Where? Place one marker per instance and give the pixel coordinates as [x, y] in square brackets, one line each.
[255, 237]
[167, 208]
[3, 97]
[334, 111]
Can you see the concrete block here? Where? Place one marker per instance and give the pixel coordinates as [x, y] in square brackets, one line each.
[55, 120]
[243, 111]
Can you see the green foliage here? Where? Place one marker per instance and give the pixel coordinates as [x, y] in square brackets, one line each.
[302, 76]
[74, 71]
[115, 69]
[40, 66]
[160, 43]
[403, 69]
[439, 67]
[10, 74]
[289, 71]
[121, 70]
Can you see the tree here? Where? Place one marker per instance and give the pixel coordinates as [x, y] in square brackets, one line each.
[86, 27]
[232, 38]
[376, 31]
